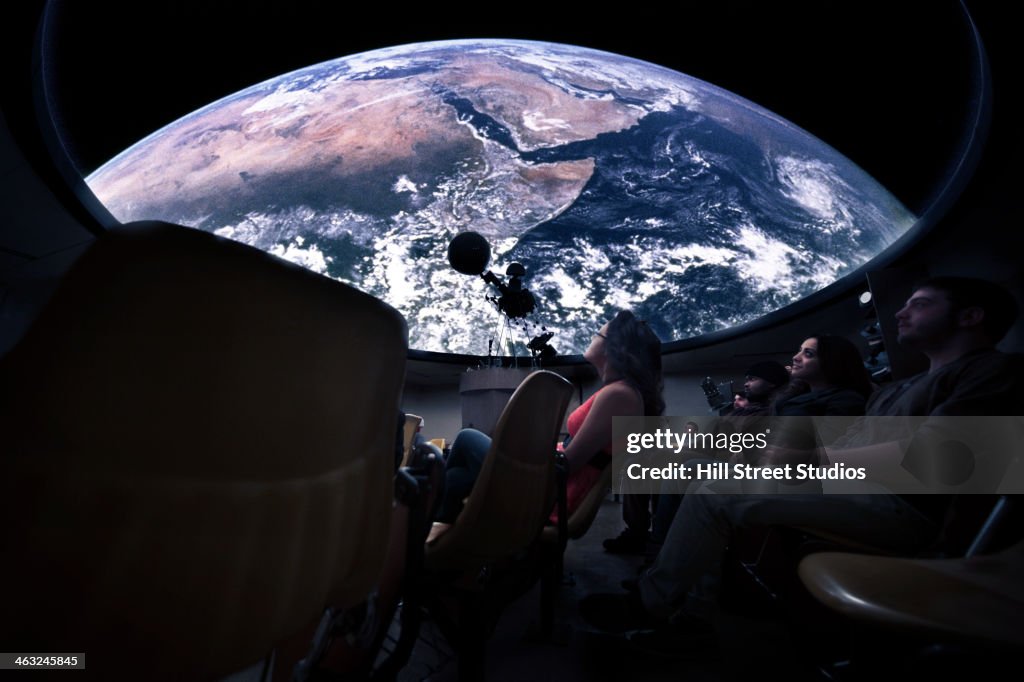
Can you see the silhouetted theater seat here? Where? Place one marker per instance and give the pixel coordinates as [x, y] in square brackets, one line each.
[410, 429]
[979, 599]
[489, 555]
[515, 491]
[198, 455]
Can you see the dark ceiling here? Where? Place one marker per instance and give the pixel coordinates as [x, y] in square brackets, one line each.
[889, 88]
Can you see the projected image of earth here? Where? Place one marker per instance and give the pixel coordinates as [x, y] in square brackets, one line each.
[617, 183]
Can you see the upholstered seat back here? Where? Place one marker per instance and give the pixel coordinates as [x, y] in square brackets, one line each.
[514, 493]
[198, 448]
[410, 428]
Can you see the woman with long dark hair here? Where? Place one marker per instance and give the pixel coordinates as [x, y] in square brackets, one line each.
[830, 374]
[627, 357]
[827, 379]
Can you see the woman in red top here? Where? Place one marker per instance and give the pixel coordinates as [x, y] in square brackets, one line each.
[627, 356]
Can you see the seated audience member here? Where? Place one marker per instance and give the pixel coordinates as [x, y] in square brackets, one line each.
[827, 379]
[762, 383]
[627, 357]
[827, 376]
[956, 323]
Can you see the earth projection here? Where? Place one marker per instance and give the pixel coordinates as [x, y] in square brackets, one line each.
[617, 183]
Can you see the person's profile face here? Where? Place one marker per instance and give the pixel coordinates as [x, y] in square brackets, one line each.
[806, 364]
[926, 318]
[756, 386]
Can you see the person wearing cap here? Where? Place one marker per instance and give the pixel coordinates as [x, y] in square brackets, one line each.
[763, 381]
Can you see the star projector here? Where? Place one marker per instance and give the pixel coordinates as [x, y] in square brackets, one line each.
[469, 253]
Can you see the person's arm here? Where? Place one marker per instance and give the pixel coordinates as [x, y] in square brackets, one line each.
[832, 425]
[990, 386]
[883, 462]
[595, 434]
[797, 439]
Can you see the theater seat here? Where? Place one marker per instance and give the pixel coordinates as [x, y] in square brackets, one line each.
[978, 599]
[410, 429]
[491, 554]
[515, 491]
[198, 452]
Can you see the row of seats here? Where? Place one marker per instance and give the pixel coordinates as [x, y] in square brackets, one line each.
[491, 554]
[198, 470]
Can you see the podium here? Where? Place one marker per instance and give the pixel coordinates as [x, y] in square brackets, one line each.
[485, 392]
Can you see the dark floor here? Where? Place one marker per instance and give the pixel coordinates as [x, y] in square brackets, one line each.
[748, 648]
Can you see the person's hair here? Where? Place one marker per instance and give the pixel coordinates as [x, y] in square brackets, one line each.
[634, 355]
[842, 364]
[998, 304]
[794, 388]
